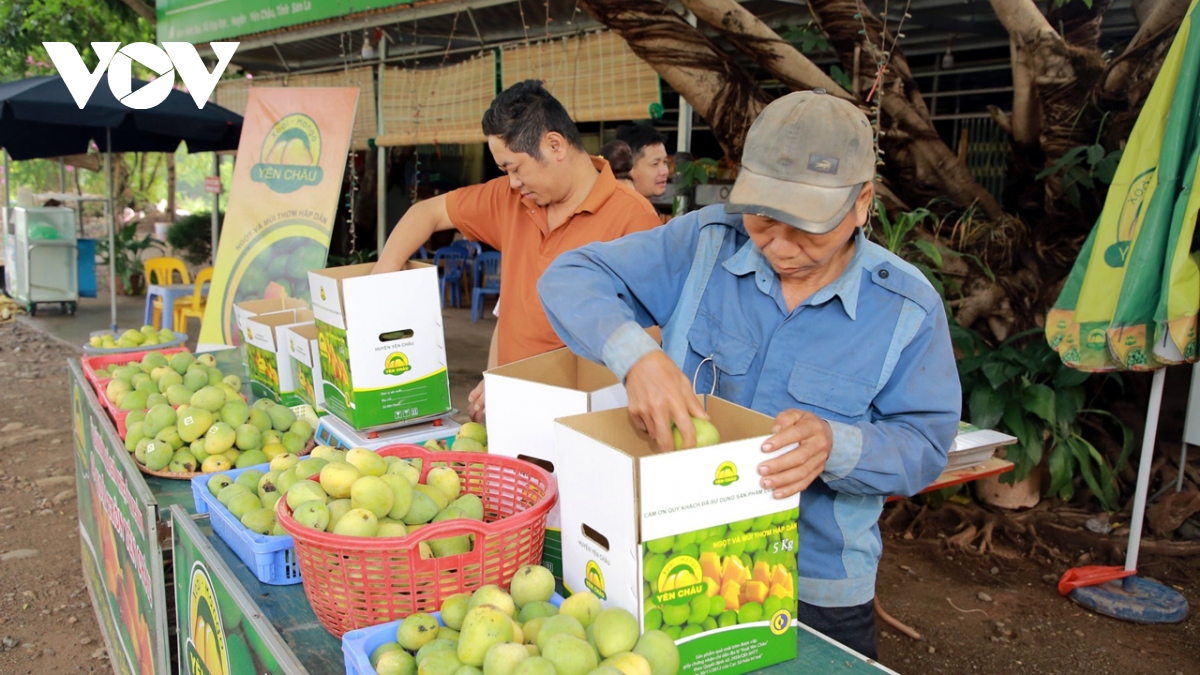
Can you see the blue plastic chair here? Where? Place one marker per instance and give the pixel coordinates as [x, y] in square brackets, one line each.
[450, 262]
[471, 248]
[487, 281]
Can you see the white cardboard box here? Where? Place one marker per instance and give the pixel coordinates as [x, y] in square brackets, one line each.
[267, 359]
[250, 308]
[382, 349]
[305, 361]
[652, 532]
[523, 400]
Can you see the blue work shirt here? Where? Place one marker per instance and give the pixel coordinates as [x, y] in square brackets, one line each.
[870, 353]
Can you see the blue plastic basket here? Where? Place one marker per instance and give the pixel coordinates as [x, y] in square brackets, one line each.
[357, 645]
[271, 559]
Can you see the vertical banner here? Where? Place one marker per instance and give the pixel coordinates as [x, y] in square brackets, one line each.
[118, 541]
[282, 203]
[216, 635]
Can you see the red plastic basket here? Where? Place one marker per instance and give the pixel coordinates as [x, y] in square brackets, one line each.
[93, 363]
[355, 582]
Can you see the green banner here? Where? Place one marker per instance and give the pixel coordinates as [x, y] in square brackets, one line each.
[215, 636]
[205, 20]
[121, 559]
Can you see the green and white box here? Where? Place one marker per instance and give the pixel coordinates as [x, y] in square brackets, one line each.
[301, 341]
[267, 359]
[523, 400]
[383, 352]
[689, 541]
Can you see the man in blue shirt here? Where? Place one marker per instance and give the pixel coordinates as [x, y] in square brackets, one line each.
[778, 302]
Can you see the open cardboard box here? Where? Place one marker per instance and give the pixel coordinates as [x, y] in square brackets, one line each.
[666, 535]
[250, 308]
[305, 364]
[382, 348]
[523, 400]
[267, 359]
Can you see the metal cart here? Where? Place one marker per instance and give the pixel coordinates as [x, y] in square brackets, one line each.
[45, 256]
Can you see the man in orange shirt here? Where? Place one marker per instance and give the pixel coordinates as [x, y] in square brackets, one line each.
[554, 198]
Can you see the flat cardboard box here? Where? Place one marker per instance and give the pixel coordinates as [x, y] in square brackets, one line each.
[660, 534]
[383, 351]
[250, 308]
[305, 361]
[267, 360]
[523, 400]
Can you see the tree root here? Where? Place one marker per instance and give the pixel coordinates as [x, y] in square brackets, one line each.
[894, 622]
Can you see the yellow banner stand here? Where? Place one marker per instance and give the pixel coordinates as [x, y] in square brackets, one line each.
[283, 201]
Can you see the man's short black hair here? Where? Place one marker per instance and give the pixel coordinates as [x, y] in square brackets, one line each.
[525, 112]
[639, 136]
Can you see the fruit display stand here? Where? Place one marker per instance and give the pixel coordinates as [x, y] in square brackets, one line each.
[171, 596]
[125, 533]
[273, 629]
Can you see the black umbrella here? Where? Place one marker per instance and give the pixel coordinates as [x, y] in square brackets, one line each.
[39, 118]
[29, 106]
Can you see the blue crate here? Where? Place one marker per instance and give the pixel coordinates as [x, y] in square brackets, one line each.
[271, 559]
[357, 645]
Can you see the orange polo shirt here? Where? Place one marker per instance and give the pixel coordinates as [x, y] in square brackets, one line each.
[496, 214]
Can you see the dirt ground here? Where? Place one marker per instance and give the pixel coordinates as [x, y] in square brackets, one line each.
[977, 615]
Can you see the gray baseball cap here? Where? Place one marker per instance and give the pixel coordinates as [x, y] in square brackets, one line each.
[805, 161]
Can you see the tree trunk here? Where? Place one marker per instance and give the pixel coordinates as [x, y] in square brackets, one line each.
[1078, 23]
[723, 92]
[931, 170]
[170, 187]
[1063, 77]
[1161, 23]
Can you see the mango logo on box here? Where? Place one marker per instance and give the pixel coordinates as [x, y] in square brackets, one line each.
[290, 155]
[680, 580]
[396, 364]
[726, 474]
[593, 579]
[322, 293]
[249, 334]
[206, 650]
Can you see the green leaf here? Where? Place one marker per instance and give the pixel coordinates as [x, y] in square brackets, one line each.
[1067, 404]
[1039, 400]
[998, 372]
[930, 251]
[987, 406]
[1095, 153]
[1061, 472]
[1082, 450]
[1069, 377]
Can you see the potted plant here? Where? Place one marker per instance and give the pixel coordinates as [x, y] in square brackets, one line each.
[129, 247]
[1022, 388]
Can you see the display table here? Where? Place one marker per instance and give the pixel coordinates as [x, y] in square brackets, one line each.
[151, 565]
[273, 628]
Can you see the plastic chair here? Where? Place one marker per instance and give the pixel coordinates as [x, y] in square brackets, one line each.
[450, 262]
[487, 281]
[195, 305]
[161, 271]
[471, 248]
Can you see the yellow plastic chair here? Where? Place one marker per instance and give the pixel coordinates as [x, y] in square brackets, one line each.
[193, 306]
[162, 271]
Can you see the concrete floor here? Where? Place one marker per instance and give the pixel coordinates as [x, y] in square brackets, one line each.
[466, 342]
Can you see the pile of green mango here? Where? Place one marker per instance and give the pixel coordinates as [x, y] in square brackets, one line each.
[490, 632]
